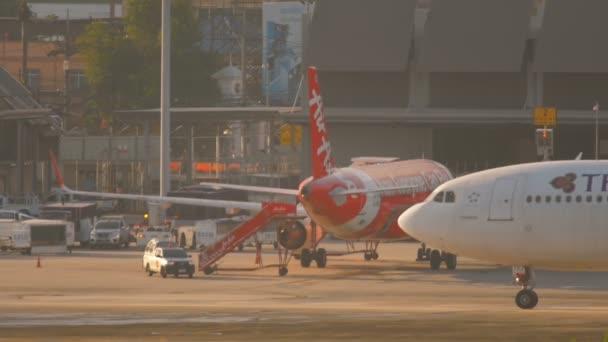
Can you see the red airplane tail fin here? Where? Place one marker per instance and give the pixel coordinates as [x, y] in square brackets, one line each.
[322, 159]
[56, 168]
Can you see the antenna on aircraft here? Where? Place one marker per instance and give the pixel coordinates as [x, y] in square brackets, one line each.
[579, 156]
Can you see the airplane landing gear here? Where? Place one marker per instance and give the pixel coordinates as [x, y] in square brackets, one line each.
[424, 254]
[371, 250]
[436, 257]
[525, 277]
[318, 255]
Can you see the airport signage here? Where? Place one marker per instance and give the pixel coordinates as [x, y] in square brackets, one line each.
[545, 116]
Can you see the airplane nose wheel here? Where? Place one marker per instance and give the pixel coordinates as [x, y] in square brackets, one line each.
[435, 259]
[526, 299]
[525, 277]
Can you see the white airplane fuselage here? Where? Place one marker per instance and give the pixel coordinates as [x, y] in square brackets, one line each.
[547, 214]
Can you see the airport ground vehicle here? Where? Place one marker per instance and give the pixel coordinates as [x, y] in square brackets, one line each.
[145, 234]
[167, 261]
[82, 214]
[29, 235]
[110, 231]
[28, 204]
[151, 246]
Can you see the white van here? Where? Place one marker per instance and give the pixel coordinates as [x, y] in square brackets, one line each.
[36, 236]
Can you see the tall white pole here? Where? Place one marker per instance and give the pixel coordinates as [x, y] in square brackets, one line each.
[165, 102]
[596, 109]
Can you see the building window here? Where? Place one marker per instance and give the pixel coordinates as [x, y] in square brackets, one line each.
[78, 80]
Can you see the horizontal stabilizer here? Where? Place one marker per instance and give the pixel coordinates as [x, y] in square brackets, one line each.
[372, 160]
[411, 189]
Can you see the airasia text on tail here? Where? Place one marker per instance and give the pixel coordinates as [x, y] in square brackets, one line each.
[322, 159]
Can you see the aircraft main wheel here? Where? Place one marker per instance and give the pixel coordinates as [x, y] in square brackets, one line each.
[435, 259]
[306, 258]
[321, 258]
[283, 271]
[375, 255]
[420, 254]
[526, 299]
[367, 256]
[450, 261]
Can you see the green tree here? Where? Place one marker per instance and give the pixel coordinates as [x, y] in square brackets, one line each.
[123, 61]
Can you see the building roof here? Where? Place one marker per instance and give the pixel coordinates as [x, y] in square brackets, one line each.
[361, 35]
[17, 103]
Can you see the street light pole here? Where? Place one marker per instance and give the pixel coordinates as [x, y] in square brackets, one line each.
[596, 109]
[165, 102]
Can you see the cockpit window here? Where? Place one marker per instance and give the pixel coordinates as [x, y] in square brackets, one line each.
[439, 197]
[450, 197]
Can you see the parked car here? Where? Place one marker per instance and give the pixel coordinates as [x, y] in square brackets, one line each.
[170, 261]
[110, 232]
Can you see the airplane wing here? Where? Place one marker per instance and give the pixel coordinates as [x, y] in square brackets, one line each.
[253, 206]
[252, 188]
[364, 191]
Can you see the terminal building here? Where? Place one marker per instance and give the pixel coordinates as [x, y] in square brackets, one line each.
[458, 81]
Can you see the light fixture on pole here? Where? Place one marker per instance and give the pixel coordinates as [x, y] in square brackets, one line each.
[596, 109]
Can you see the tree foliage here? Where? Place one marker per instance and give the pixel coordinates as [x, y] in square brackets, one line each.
[123, 60]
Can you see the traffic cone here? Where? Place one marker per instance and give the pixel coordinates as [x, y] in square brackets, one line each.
[38, 264]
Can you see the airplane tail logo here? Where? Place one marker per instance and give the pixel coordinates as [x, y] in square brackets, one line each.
[322, 159]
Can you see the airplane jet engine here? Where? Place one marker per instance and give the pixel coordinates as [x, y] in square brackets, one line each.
[292, 234]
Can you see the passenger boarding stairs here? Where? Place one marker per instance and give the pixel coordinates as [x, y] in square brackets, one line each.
[210, 255]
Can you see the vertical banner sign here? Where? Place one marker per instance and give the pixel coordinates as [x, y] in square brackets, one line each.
[282, 51]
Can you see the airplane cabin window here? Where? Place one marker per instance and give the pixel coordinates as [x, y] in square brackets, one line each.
[558, 199]
[568, 199]
[537, 199]
[599, 199]
[589, 198]
[579, 199]
[529, 199]
[439, 197]
[450, 197]
[548, 199]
